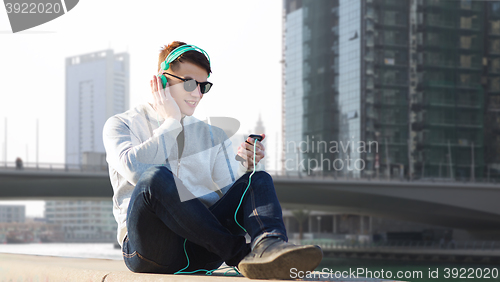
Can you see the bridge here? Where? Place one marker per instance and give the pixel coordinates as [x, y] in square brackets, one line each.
[471, 206]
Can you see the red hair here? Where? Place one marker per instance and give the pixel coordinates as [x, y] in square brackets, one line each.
[192, 56]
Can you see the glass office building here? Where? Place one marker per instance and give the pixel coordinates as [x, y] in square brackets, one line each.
[294, 87]
[349, 82]
[449, 102]
[97, 87]
[492, 93]
[420, 80]
[311, 87]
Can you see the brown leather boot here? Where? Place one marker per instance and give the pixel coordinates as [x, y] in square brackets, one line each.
[273, 258]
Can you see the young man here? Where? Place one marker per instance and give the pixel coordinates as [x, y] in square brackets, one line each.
[177, 186]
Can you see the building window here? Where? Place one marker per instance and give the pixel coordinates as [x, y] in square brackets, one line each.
[465, 22]
[495, 46]
[390, 17]
[495, 26]
[466, 4]
[465, 61]
[495, 65]
[495, 84]
[465, 42]
[465, 79]
[495, 10]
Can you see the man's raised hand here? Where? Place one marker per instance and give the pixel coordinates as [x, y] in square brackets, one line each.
[164, 104]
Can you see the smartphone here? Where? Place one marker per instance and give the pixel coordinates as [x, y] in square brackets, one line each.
[253, 136]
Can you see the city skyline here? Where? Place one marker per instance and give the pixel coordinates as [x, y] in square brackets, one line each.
[52, 42]
[382, 124]
[26, 132]
[36, 58]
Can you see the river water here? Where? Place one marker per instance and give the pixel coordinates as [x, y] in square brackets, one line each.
[76, 250]
[426, 270]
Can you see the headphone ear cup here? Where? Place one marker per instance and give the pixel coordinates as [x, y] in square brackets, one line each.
[164, 66]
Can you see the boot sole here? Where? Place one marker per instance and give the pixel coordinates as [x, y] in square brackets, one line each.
[280, 265]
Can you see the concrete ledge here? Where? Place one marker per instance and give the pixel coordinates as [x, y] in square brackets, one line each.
[14, 267]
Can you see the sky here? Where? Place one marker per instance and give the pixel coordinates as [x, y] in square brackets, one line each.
[243, 39]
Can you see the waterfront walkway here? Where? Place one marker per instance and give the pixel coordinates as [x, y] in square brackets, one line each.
[14, 267]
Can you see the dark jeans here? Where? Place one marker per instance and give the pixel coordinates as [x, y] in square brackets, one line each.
[158, 222]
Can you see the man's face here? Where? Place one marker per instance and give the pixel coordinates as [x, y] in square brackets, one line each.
[187, 101]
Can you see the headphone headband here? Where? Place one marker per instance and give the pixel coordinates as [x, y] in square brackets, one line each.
[179, 51]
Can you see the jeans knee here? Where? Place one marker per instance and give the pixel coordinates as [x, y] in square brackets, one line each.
[157, 179]
[261, 178]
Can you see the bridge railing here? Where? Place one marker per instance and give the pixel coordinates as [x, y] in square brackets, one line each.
[449, 245]
[349, 176]
[313, 175]
[56, 167]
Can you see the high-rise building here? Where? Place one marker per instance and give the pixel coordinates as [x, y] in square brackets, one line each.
[97, 87]
[311, 78]
[12, 213]
[492, 109]
[418, 80]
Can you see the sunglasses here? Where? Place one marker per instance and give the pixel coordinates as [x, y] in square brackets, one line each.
[191, 84]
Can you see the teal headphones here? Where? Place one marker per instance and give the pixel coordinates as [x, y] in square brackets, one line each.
[175, 54]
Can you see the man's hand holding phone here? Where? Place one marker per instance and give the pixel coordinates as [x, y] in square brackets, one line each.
[245, 152]
[164, 104]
